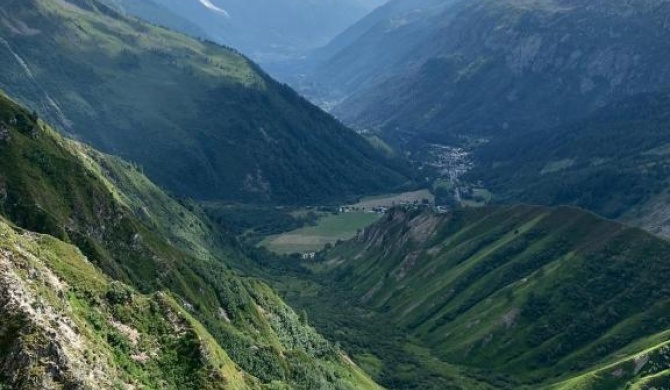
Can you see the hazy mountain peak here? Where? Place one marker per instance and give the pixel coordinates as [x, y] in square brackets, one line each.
[266, 30]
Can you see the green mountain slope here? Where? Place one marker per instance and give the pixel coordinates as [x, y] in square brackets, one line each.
[66, 324]
[521, 296]
[173, 261]
[200, 119]
[615, 163]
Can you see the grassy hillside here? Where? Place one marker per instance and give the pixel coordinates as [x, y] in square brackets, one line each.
[517, 296]
[134, 234]
[200, 119]
[65, 323]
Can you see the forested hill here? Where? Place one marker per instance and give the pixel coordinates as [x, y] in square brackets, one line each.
[614, 162]
[201, 120]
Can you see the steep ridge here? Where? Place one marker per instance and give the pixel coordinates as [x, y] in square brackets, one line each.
[200, 119]
[492, 67]
[532, 297]
[171, 269]
[66, 324]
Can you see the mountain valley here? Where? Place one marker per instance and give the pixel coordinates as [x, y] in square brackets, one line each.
[477, 196]
[554, 101]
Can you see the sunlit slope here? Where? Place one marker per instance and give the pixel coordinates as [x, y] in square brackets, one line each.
[528, 293]
[160, 251]
[66, 324]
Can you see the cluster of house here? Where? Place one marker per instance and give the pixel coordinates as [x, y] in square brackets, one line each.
[384, 209]
[4, 132]
[355, 209]
[308, 256]
[441, 209]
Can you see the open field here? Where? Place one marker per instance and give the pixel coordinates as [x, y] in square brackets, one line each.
[476, 197]
[329, 229]
[395, 199]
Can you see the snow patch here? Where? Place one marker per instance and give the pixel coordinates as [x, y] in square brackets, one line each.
[209, 5]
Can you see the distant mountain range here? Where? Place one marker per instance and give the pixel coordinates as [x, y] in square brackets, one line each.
[202, 120]
[548, 91]
[265, 30]
[489, 68]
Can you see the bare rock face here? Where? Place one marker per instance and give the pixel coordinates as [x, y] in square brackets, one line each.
[39, 335]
